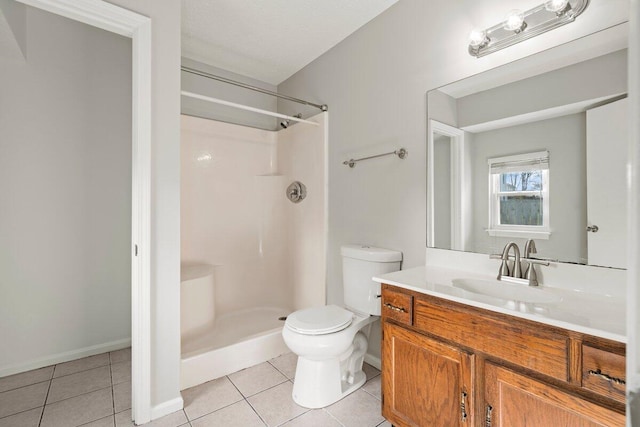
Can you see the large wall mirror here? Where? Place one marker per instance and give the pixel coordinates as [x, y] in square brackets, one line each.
[535, 149]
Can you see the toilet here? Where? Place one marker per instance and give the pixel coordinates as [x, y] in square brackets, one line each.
[330, 341]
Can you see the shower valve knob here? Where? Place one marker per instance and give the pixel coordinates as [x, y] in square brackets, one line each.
[296, 192]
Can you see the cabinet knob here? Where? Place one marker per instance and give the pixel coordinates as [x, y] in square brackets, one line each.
[593, 228]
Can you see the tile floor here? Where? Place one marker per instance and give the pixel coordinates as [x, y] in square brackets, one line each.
[86, 391]
[96, 392]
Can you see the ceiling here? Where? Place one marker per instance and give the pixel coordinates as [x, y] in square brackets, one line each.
[269, 40]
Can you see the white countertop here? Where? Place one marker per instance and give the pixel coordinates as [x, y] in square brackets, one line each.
[586, 312]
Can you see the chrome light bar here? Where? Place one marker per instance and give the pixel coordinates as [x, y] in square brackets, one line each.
[520, 26]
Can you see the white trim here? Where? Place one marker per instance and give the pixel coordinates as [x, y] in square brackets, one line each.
[96, 13]
[166, 408]
[458, 174]
[65, 357]
[325, 241]
[121, 21]
[141, 227]
[245, 107]
[524, 234]
[633, 242]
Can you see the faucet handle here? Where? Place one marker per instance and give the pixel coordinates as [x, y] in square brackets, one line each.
[530, 248]
[536, 261]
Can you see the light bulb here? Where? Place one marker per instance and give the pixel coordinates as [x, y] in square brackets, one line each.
[478, 38]
[515, 21]
[556, 5]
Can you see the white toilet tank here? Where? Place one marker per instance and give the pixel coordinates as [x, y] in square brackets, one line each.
[359, 264]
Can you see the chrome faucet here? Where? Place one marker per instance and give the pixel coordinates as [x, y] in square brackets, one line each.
[504, 267]
[514, 274]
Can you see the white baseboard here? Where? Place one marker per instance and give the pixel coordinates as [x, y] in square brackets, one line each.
[373, 361]
[166, 408]
[64, 357]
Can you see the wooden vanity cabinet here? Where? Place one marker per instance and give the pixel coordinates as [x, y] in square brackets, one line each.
[449, 364]
[426, 382]
[513, 399]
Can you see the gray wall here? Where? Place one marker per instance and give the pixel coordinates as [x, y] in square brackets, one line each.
[208, 87]
[65, 192]
[375, 83]
[605, 75]
[565, 139]
[442, 191]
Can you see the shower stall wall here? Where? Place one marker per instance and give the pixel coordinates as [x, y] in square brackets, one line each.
[250, 256]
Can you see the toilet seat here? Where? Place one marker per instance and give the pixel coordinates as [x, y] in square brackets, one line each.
[319, 320]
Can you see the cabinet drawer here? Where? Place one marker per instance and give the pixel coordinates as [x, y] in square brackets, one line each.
[397, 306]
[603, 372]
[514, 340]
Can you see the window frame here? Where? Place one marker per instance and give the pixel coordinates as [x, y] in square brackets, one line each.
[511, 164]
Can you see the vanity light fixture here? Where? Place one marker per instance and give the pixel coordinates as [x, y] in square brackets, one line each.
[519, 25]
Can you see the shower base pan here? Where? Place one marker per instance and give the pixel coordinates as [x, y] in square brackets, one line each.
[238, 340]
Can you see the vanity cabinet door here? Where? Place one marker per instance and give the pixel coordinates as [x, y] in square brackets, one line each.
[514, 400]
[425, 382]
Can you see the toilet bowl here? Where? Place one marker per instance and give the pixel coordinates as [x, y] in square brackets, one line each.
[331, 341]
[329, 361]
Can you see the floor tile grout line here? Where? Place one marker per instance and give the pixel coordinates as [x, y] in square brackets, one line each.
[307, 410]
[113, 392]
[52, 377]
[268, 388]
[73, 397]
[370, 394]
[274, 386]
[89, 422]
[247, 401]
[79, 372]
[332, 416]
[209, 413]
[23, 386]
[26, 410]
[257, 413]
[276, 368]
[44, 404]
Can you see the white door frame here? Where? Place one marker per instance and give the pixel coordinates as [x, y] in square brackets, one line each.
[115, 19]
[633, 245]
[457, 179]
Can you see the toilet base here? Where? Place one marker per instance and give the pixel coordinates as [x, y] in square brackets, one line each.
[319, 383]
[315, 387]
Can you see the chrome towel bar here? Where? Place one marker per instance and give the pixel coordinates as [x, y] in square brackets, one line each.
[401, 153]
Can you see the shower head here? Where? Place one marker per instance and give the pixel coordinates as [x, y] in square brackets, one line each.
[286, 123]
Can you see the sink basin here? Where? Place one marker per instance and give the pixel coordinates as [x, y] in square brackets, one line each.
[506, 290]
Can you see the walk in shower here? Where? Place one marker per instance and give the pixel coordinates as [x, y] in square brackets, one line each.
[250, 256]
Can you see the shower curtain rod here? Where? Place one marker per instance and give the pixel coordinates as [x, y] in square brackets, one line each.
[322, 107]
[245, 107]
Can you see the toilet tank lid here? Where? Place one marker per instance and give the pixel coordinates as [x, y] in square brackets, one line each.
[370, 253]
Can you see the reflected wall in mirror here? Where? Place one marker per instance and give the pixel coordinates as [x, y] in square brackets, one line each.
[541, 157]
